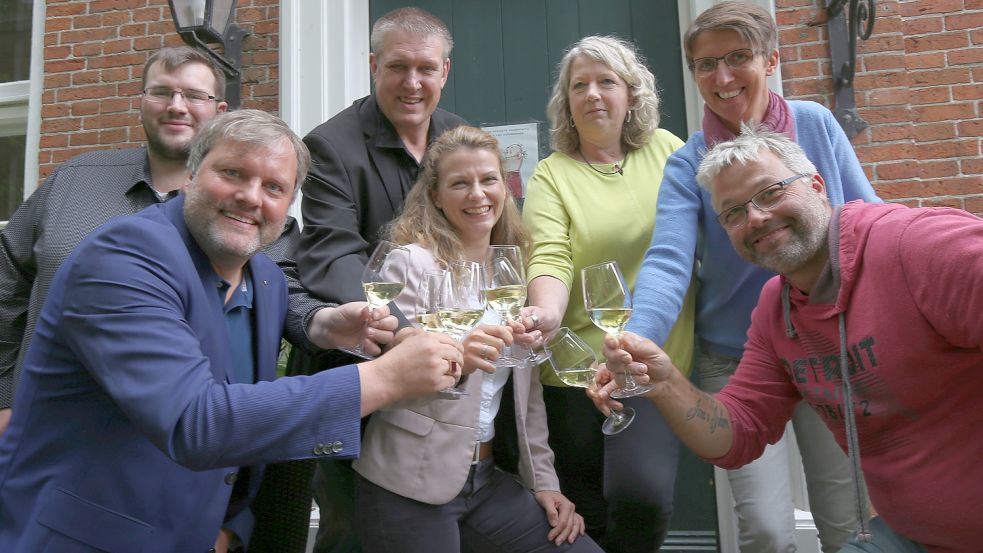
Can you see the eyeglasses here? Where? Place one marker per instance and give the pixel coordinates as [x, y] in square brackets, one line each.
[764, 199]
[163, 95]
[735, 60]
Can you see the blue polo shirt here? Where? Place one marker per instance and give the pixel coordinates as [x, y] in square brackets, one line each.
[239, 322]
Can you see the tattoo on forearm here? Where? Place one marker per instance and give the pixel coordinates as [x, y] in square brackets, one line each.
[714, 418]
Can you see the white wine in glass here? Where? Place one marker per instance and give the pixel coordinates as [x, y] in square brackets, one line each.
[575, 364]
[460, 305]
[608, 303]
[505, 290]
[382, 280]
[426, 306]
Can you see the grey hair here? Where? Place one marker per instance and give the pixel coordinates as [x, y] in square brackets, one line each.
[746, 147]
[415, 21]
[252, 127]
[171, 58]
[753, 23]
[625, 60]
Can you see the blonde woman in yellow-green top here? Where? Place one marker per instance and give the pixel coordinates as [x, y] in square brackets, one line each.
[594, 200]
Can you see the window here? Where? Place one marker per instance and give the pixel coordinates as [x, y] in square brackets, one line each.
[17, 19]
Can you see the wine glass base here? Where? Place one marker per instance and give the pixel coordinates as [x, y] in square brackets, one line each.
[615, 424]
[637, 390]
[451, 393]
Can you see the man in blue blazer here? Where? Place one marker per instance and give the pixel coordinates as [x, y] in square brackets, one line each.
[148, 388]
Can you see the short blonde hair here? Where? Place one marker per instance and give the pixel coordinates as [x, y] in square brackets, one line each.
[625, 60]
[752, 22]
[422, 222]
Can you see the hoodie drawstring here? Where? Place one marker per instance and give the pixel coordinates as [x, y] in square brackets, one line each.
[852, 439]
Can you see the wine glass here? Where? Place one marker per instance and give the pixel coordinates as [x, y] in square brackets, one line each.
[514, 255]
[608, 303]
[505, 293]
[575, 364]
[426, 301]
[460, 304]
[382, 280]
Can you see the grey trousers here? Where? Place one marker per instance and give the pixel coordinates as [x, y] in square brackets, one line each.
[493, 513]
[762, 492]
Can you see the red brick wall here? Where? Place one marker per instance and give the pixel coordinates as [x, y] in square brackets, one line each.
[94, 52]
[919, 85]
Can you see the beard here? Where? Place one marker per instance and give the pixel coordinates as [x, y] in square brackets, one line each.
[808, 239]
[203, 218]
[175, 152]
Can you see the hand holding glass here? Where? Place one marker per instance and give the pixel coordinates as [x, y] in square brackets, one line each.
[505, 292]
[575, 364]
[608, 303]
[382, 280]
[460, 304]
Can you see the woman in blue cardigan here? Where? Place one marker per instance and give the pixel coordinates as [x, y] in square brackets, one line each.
[732, 49]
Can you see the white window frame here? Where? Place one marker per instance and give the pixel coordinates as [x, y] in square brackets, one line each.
[20, 103]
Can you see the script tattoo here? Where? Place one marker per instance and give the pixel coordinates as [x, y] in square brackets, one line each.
[715, 417]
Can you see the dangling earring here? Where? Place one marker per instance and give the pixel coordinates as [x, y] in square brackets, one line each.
[572, 124]
[628, 119]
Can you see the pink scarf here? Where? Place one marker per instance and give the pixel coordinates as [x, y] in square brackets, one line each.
[778, 118]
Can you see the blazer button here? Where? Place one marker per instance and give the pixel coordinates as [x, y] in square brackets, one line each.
[230, 478]
[336, 447]
[319, 449]
[212, 550]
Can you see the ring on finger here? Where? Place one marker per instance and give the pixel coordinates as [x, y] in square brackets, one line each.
[484, 351]
[535, 320]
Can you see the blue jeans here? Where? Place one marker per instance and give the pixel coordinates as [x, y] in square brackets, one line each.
[885, 540]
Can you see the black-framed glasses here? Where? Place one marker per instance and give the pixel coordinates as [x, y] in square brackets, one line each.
[736, 59]
[163, 95]
[764, 199]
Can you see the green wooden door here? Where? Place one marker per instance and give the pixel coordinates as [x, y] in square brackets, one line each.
[502, 71]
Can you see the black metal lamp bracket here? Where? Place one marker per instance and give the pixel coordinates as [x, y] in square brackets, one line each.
[848, 20]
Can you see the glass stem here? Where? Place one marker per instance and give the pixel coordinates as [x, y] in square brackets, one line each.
[629, 381]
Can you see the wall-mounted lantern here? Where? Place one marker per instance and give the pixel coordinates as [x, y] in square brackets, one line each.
[201, 22]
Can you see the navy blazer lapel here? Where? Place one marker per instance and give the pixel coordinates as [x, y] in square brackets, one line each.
[267, 317]
[220, 358]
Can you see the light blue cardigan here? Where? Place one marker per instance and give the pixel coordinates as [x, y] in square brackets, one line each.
[687, 231]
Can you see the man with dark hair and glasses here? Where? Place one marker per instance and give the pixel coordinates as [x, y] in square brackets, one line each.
[181, 91]
[873, 322]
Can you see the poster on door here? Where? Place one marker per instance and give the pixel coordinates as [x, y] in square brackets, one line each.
[519, 143]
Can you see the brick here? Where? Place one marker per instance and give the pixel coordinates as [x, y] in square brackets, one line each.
[952, 186]
[53, 141]
[116, 18]
[50, 111]
[881, 79]
[85, 77]
[923, 7]
[932, 95]
[62, 66]
[881, 43]
[110, 121]
[57, 52]
[946, 76]
[108, 5]
[85, 107]
[117, 46]
[86, 21]
[788, 53]
[86, 92]
[968, 55]
[273, 27]
[976, 37]
[135, 30]
[87, 35]
[149, 14]
[971, 167]
[934, 169]
[889, 114]
[811, 86]
[813, 51]
[925, 61]
[970, 128]
[56, 10]
[117, 60]
[117, 105]
[964, 20]
[897, 171]
[948, 112]
[87, 49]
[53, 24]
[886, 97]
[83, 138]
[888, 152]
[948, 149]
[113, 136]
[941, 41]
[63, 124]
[935, 131]
[117, 74]
[790, 17]
[881, 62]
[148, 43]
[61, 156]
[890, 191]
[943, 202]
[921, 25]
[974, 205]
[890, 133]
